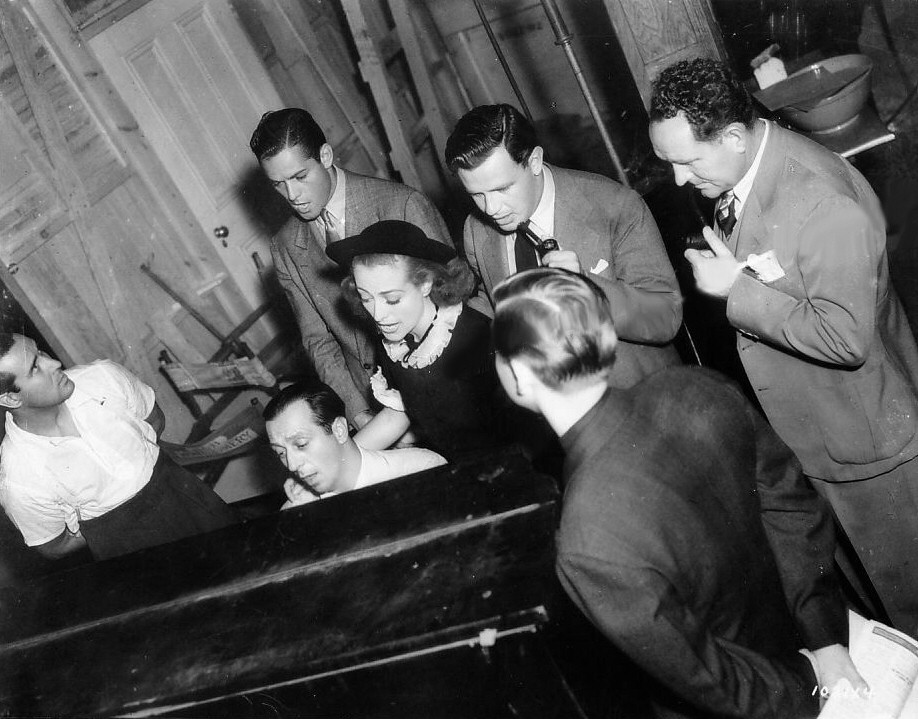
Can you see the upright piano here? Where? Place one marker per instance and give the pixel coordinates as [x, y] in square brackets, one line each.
[426, 596]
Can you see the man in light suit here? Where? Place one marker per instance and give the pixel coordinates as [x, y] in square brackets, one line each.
[801, 261]
[600, 227]
[689, 536]
[329, 204]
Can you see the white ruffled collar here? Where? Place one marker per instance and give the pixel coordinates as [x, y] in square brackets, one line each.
[435, 341]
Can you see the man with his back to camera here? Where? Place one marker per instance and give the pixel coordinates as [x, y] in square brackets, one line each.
[689, 536]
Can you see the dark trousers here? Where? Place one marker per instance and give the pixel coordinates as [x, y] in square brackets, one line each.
[879, 516]
[172, 505]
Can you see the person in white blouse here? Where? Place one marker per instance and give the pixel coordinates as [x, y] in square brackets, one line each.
[308, 431]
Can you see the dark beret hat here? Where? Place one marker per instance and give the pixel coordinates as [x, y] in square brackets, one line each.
[390, 237]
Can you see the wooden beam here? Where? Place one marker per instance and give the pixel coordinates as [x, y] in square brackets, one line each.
[655, 33]
[421, 76]
[374, 73]
[121, 126]
[16, 30]
[66, 177]
[35, 317]
[291, 20]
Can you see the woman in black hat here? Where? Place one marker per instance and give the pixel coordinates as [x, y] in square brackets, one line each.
[436, 364]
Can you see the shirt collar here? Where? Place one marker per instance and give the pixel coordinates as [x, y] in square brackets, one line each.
[742, 188]
[542, 220]
[335, 204]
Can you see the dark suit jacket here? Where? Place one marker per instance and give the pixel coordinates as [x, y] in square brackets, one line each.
[827, 348]
[341, 346]
[691, 539]
[602, 221]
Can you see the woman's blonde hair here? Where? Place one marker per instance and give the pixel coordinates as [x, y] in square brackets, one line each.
[556, 321]
[451, 283]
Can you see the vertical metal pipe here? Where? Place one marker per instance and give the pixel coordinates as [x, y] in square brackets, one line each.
[563, 38]
[503, 60]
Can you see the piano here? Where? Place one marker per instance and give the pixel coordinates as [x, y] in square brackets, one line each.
[426, 596]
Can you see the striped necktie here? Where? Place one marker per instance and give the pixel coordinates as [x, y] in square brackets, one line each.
[726, 213]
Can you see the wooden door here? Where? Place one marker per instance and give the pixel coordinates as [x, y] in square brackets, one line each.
[656, 33]
[197, 88]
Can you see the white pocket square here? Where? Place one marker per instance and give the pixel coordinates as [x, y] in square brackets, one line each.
[600, 267]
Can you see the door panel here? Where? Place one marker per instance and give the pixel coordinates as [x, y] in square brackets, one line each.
[197, 88]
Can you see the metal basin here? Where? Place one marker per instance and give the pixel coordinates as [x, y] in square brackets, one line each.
[841, 107]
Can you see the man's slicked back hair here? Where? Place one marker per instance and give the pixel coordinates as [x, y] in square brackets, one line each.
[707, 92]
[558, 322]
[323, 401]
[288, 128]
[485, 128]
[7, 380]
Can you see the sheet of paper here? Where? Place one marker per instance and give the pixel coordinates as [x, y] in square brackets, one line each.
[888, 661]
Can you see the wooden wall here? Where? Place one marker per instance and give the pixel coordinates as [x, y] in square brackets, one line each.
[83, 203]
[85, 200]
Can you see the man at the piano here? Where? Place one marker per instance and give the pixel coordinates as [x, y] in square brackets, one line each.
[308, 431]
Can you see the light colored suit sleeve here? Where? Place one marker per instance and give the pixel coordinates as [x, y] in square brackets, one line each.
[421, 212]
[835, 322]
[643, 293]
[321, 346]
[643, 615]
[481, 301]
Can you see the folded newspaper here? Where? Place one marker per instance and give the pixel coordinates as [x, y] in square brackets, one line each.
[244, 372]
[888, 661]
[235, 437]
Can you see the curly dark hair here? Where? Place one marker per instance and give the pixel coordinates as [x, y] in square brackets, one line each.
[452, 283]
[706, 91]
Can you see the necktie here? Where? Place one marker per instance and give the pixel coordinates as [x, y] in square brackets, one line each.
[526, 257]
[726, 214]
[331, 227]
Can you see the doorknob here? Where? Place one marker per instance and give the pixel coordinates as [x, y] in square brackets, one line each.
[222, 232]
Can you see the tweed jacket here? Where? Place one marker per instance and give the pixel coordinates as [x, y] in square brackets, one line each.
[620, 248]
[827, 347]
[341, 345]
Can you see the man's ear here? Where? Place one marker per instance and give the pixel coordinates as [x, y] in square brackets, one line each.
[10, 400]
[326, 155]
[736, 136]
[534, 163]
[524, 378]
[340, 430]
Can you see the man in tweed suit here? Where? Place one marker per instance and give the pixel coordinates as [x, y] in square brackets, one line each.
[329, 204]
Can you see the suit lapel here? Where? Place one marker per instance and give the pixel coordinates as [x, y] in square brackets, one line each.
[574, 221]
[492, 256]
[750, 234]
[356, 207]
[307, 237]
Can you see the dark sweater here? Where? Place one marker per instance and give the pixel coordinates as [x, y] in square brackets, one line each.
[451, 403]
